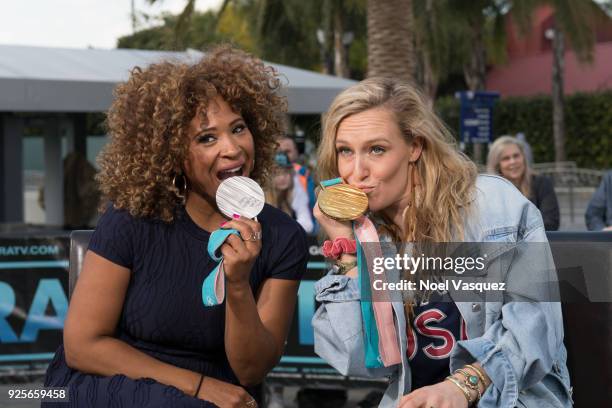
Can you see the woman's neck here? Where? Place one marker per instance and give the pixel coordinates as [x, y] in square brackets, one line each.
[395, 214]
[203, 213]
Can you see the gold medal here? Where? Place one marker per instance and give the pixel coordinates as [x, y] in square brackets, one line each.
[343, 202]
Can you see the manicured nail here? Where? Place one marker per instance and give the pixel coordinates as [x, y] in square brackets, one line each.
[223, 223]
[236, 216]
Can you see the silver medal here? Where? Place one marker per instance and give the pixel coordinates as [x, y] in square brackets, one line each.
[240, 195]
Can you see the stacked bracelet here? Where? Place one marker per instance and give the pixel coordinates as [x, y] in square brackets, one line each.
[463, 389]
[471, 381]
[478, 373]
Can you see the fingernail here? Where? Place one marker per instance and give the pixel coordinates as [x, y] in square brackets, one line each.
[223, 223]
[236, 216]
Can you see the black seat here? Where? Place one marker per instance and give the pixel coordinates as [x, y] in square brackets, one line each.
[79, 241]
[587, 322]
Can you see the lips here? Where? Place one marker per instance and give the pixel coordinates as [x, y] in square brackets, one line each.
[230, 171]
[366, 189]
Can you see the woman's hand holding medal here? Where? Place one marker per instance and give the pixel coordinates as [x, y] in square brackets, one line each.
[337, 205]
[239, 253]
[241, 199]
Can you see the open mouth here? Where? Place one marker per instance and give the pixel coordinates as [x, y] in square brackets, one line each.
[225, 174]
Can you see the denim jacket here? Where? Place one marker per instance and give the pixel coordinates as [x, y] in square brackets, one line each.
[519, 344]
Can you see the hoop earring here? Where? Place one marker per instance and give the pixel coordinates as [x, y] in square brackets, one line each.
[180, 194]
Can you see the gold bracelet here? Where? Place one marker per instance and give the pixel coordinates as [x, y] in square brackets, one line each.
[471, 381]
[344, 267]
[478, 373]
[464, 390]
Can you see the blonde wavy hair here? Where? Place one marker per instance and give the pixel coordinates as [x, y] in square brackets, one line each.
[494, 158]
[447, 176]
[149, 119]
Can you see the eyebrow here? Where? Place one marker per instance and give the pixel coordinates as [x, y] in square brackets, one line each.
[233, 122]
[377, 140]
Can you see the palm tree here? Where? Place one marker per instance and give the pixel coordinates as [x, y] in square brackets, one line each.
[574, 21]
[390, 39]
[182, 23]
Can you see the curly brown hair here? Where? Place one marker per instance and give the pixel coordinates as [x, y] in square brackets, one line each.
[149, 120]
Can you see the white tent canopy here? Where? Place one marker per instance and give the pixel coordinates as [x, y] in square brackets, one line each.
[39, 79]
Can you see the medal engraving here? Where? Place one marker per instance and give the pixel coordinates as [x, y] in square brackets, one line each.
[240, 195]
[343, 202]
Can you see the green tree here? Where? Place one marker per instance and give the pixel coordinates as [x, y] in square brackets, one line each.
[198, 34]
[574, 21]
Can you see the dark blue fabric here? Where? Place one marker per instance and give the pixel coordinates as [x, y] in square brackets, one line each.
[599, 211]
[163, 314]
[437, 328]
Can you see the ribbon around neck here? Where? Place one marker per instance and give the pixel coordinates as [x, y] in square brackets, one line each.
[381, 339]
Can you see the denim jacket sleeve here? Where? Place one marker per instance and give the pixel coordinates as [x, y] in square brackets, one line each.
[338, 330]
[519, 346]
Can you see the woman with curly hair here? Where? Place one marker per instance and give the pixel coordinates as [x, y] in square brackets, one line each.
[137, 333]
[445, 347]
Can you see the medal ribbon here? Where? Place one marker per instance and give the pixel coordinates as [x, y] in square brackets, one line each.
[213, 288]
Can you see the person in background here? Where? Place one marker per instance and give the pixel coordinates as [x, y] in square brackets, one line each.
[507, 159]
[520, 136]
[284, 195]
[598, 215]
[302, 174]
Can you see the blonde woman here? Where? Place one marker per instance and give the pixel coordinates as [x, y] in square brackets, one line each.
[287, 196]
[381, 136]
[507, 158]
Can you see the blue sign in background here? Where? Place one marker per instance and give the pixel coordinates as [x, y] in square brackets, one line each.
[476, 116]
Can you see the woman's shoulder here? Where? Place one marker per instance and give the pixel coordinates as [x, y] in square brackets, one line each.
[491, 187]
[501, 206]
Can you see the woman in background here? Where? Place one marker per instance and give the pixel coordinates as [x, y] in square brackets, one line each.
[507, 159]
[284, 195]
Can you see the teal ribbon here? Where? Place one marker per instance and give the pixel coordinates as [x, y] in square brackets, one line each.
[372, 354]
[209, 292]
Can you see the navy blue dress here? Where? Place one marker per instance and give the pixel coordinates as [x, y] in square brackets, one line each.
[163, 314]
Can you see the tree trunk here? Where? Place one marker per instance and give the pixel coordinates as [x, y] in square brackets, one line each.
[475, 72]
[340, 57]
[390, 42]
[557, 96]
[429, 75]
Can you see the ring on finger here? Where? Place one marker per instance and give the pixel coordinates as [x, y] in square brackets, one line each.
[251, 403]
[255, 236]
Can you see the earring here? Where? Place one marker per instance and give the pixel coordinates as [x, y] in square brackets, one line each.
[176, 183]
